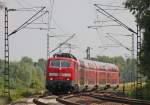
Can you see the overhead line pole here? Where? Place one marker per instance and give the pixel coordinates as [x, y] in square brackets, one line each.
[22, 26]
[139, 43]
[113, 18]
[6, 51]
[6, 55]
[88, 53]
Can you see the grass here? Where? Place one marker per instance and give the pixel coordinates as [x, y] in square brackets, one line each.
[17, 94]
[130, 89]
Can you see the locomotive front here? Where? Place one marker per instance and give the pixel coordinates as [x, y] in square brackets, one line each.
[60, 74]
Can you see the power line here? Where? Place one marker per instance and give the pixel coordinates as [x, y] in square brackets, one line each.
[62, 43]
[113, 18]
[102, 21]
[110, 6]
[19, 3]
[26, 23]
[39, 28]
[51, 12]
[58, 26]
[103, 26]
[118, 42]
[115, 9]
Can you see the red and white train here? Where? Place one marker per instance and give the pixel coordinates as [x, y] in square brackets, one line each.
[66, 73]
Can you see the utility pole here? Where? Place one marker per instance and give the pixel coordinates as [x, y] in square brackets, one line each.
[47, 46]
[6, 55]
[88, 52]
[133, 66]
[138, 72]
[6, 91]
[139, 43]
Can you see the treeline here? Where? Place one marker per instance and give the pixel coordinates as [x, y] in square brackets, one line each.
[141, 10]
[25, 74]
[28, 74]
[127, 67]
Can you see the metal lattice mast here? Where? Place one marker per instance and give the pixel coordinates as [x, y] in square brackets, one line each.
[138, 75]
[6, 52]
[36, 16]
[88, 52]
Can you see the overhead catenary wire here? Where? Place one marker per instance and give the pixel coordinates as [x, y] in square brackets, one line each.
[103, 21]
[60, 35]
[103, 26]
[51, 11]
[118, 42]
[34, 19]
[62, 43]
[32, 9]
[19, 3]
[115, 9]
[110, 6]
[26, 3]
[24, 24]
[59, 27]
[113, 18]
[40, 28]
[120, 34]
[109, 17]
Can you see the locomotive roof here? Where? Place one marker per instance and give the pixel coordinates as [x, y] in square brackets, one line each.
[101, 65]
[65, 55]
[62, 58]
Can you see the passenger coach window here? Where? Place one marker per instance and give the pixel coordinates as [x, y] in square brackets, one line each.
[55, 63]
[65, 63]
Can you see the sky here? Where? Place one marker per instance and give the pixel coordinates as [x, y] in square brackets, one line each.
[68, 17]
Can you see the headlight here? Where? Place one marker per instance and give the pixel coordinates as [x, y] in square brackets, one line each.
[68, 79]
[51, 78]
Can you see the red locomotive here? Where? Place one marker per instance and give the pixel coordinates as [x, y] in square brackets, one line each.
[66, 73]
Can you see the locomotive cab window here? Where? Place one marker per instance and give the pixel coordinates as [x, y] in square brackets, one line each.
[60, 63]
[65, 63]
[55, 63]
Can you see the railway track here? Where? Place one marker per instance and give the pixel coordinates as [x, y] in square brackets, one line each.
[117, 99]
[100, 98]
[40, 100]
[86, 98]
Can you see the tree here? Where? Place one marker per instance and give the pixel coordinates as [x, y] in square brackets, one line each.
[141, 9]
[26, 60]
[138, 7]
[42, 64]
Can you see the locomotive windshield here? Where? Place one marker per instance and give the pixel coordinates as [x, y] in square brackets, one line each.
[65, 63]
[60, 63]
[55, 63]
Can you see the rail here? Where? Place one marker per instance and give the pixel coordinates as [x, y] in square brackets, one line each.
[119, 99]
